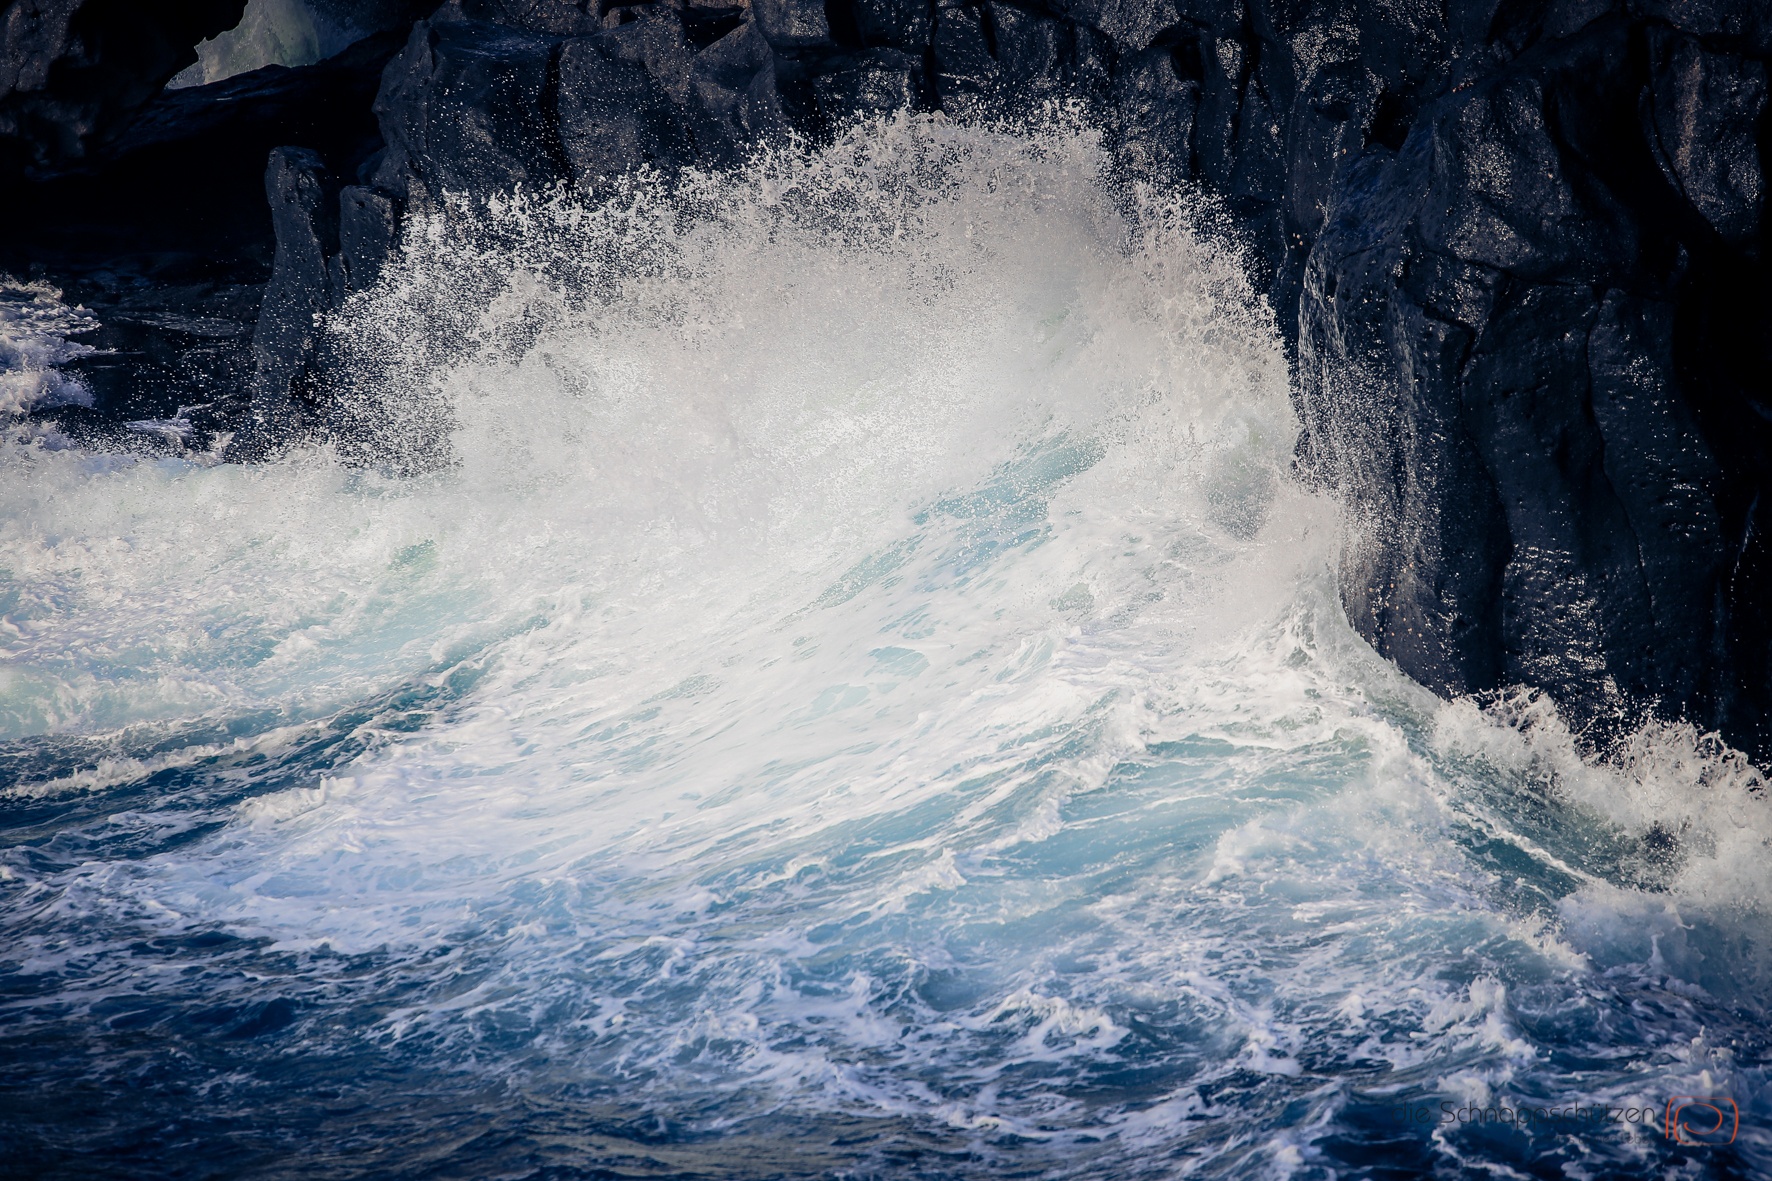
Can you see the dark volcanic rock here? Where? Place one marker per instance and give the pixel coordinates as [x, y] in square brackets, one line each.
[192, 166]
[73, 71]
[1500, 364]
[613, 114]
[368, 228]
[1703, 114]
[733, 81]
[306, 281]
[466, 108]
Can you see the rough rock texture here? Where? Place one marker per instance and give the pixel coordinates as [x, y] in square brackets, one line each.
[72, 71]
[1533, 342]
[305, 281]
[1519, 248]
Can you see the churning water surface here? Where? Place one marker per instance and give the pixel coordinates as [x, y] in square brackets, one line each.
[822, 671]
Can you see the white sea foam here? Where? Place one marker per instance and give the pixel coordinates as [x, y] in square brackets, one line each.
[875, 665]
[36, 339]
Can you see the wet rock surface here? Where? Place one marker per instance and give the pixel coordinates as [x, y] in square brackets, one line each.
[1516, 358]
[1519, 251]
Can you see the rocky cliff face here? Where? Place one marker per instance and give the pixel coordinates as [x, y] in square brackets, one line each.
[1519, 249]
[1532, 352]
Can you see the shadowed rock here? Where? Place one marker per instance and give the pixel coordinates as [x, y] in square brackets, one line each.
[72, 72]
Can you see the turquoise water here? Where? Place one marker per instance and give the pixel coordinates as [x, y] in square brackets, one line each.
[825, 673]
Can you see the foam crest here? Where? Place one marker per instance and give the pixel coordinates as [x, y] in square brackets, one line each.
[1663, 843]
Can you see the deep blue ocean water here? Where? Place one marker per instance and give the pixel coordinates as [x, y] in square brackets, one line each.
[824, 672]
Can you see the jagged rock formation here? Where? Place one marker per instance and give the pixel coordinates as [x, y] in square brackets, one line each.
[73, 71]
[1518, 246]
[1533, 354]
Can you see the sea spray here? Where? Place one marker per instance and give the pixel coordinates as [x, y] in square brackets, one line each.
[817, 670]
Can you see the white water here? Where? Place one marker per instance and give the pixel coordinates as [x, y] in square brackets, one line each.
[856, 658]
[37, 332]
